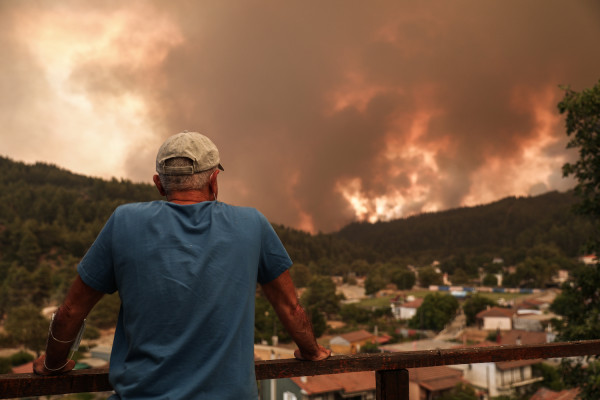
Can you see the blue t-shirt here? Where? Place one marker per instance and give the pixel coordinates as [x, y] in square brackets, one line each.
[186, 275]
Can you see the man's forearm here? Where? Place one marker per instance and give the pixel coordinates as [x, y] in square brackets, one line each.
[281, 293]
[61, 336]
[65, 327]
[297, 323]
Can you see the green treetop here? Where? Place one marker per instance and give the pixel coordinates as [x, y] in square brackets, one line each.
[582, 111]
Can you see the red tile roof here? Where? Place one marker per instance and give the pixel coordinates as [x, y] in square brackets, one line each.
[504, 365]
[547, 394]
[441, 384]
[382, 339]
[435, 378]
[412, 304]
[23, 369]
[352, 382]
[357, 336]
[496, 312]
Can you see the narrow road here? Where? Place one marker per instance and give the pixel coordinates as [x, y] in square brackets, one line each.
[453, 329]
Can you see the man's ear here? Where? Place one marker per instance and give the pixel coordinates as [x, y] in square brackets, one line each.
[159, 185]
[214, 186]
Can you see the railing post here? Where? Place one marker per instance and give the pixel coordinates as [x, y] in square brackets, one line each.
[392, 384]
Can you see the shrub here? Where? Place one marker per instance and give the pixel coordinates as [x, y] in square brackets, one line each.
[20, 358]
[369, 347]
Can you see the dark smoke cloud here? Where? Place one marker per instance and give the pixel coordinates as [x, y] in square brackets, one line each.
[306, 100]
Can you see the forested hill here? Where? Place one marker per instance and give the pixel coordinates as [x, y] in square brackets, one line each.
[48, 213]
[508, 228]
[46, 209]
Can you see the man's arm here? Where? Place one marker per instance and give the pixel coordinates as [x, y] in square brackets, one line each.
[67, 322]
[281, 293]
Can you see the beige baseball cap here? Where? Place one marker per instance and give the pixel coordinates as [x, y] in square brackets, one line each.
[193, 145]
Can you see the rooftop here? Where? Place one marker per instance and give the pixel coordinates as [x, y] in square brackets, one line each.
[416, 303]
[357, 336]
[504, 365]
[496, 312]
[351, 382]
[23, 369]
[435, 378]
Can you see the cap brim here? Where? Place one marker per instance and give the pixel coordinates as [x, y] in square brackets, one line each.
[220, 167]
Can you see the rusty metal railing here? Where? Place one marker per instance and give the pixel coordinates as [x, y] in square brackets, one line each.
[390, 368]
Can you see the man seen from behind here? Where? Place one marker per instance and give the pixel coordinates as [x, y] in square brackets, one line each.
[186, 271]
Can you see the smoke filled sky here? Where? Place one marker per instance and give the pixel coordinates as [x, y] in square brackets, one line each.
[324, 112]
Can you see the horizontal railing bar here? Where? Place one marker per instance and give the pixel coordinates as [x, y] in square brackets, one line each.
[27, 385]
[276, 369]
[96, 380]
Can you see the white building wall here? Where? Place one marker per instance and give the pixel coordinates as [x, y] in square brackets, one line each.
[407, 313]
[514, 375]
[530, 325]
[481, 375]
[493, 323]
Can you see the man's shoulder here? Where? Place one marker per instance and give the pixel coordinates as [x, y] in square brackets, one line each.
[140, 207]
[240, 210]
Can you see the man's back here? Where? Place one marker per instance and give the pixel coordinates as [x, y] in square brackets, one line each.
[187, 277]
[186, 271]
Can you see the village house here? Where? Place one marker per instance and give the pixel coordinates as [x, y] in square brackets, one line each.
[530, 305]
[351, 342]
[533, 315]
[490, 379]
[352, 385]
[533, 321]
[405, 310]
[501, 378]
[495, 318]
[431, 382]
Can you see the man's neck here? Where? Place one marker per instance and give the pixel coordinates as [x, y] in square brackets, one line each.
[190, 197]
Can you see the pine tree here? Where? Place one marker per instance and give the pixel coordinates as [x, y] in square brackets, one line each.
[26, 326]
[29, 250]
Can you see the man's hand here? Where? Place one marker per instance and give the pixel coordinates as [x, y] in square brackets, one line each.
[40, 369]
[321, 354]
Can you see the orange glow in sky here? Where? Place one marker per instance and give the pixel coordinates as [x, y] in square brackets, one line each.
[322, 117]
